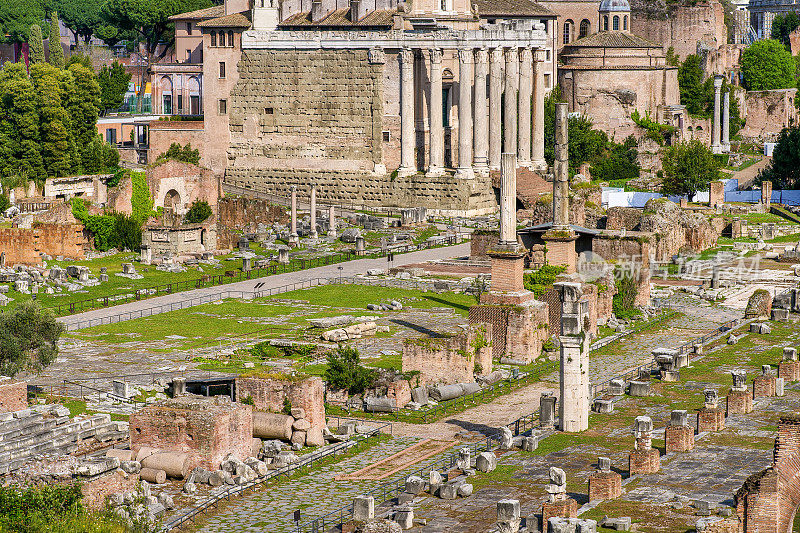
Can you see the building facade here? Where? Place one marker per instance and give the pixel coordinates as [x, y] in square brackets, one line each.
[763, 12]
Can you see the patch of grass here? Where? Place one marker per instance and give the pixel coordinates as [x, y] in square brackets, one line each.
[794, 237]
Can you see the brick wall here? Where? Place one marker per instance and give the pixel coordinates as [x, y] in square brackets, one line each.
[507, 273]
[679, 438]
[268, 395]
[451, 359]
[239, 212]
[565, 508]
[644, 461]
[97, 490]
[24, 246]
[162, 133]
[739, 403]
[206, 429]
[191, 182]
[400, 391]
[518, 331]
[605, 486]
[710, 419]
[481, 242]
[763, 386]
[789, 370]
[13, 395]
[680, 26]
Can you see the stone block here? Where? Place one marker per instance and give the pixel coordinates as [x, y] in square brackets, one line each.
[644, 461]
[414, 485]
[547, 410]
[639, 388]
[603, 406]
[486, 462]
[780, 315]
[405, 517]
[679, 438]
[616, 387]
[779, 384]
[529, 444]
[363, 508]
[508, 510]
[710, 419]
[617, 524]
[605, 486]
[739, 402]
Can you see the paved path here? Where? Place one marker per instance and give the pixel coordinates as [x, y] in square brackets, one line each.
[183, 299]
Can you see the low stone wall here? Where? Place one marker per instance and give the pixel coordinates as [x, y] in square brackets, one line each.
[13, 395]
[268, 394]
[25, 246]
[450, 360]
[97, 490]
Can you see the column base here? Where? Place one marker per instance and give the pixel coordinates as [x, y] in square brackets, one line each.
[526, 163]
[539, 165]
[294, 241]
[332, 234]
[716, 149]
[313, 235]
[434, 171]
[403, 172]
[465, 173]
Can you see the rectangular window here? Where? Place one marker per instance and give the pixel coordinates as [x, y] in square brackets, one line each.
[547, 55]
[222, 69]
[547, 81]
[269, 111]
[223, 107]
[188, 28]
[111, 135]
[188, 56]
[386, 136]
[167, 104]
[180, 104]
[194, 104]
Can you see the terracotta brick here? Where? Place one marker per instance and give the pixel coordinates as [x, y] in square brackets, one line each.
[507, 272]
[644, 461]
[97, 490]
[562, 252]
[605, 486]
[13, 395]
[710, 419]
[450, 360]
[739, 402]
[763, 386]
[789, 370]
[679, 438]
[565, 509]
[268, 395]
[518, 330]
[24, 246]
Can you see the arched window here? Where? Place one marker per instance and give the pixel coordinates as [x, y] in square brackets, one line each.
[616, 23]
[625, 23]
[584, 29]
[230, 38]
[568, 31]
[222, 38]
[213, 38]
[605, 22]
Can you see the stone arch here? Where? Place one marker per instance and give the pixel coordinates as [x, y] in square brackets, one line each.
[172, 200]
[768, 500]
[585, 28]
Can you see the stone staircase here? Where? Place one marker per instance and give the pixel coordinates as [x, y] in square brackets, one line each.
[48, 430]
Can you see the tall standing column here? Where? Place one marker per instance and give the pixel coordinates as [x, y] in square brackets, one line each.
[436, 167]
[561, 170]
[510, 101]
[726, 122]
[294, 239]
[524, 109]
[495, 109]
[331, 222]
[537, 157]
[313, 232]
[465, 114]
[407, 134]
[508, 200]
[480, 116]
[716, 147]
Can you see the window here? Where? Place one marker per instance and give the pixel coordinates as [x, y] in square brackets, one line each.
[222, 38]
[223, 107]
[547, 81]
[111, 135]
[444, 5]
[625, 23]
[605, 22]
[188, 56]
[213, 38]
[167, 104]
[584, 30]
[616, 23]
[180, 103]
[386, 136]
[194, 103]
[230, 38]
[221, 69]
[269, 111]
[188, 28]
[568, 31]
[547, 55]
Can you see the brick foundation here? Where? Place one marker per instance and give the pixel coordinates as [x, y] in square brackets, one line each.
[562, 252]
[518, 330]
[605, 486]
[268, 395]
[679, 438]
[450, 360]
[763, 386]
[646, 461]
[13, 395]
[97, 490]
[739, 402]
[507, 271]
[565, 509]
[710, 419]
[789, 370]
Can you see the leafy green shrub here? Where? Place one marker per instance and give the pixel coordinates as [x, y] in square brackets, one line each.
[287, 406]
[655, 131]
[177, 152]
[198, 212]
[623, 303]
[542, 280]
[141, 201]
[247, 400]
[618, 163]
[99, 156]
[28, 337]
[5, 203]
[345, 372]
[127, 233]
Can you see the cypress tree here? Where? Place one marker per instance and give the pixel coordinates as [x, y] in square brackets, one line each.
[56, 52]
[35, 45]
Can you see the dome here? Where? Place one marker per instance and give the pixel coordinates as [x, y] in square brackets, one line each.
[614, 5]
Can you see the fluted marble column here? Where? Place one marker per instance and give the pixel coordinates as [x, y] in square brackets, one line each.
[716, 147]
[294, 239]
[313, 233]
[407, 134]
[480, 115]
[332, 222]
[726, 121]
[510, 101]
[537, 155]
[436, 166]
[464, 169]
[524, 107]
[495, 108]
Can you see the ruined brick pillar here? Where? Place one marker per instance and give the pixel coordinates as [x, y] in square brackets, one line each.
[739, 400]
[604, 484]
[710, 417]
[679, 436]
[557, 503]
[766, 194]
[644, 459]
[764, 385]
[789, 368]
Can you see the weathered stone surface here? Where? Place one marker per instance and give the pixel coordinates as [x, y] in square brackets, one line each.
[486, 462]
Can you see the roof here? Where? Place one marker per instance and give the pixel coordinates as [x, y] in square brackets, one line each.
[614, 5]
[541, 228]
[512, 8]
[201, 14]
[234, 20]
[613, 39]
[341, 18]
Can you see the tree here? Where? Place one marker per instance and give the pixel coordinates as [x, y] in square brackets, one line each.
[619, 162]
[782, 26]
[584, 141]
[198, 212]
[345, 372]
[84, 105]
[56, 55]
[52, 87]
[28, 337]
[178, 153]
[688, 167]
[35, 45]
[690, 83]
[784, 169]
[82, 17]
[19, 124]
[767, 65]
[80, 59]
[150, 21]
[113, 86]
[17, 17]
[5, 203]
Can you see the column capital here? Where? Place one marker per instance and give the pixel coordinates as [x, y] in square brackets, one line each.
[435, 55]
[526, 54]
[512, 54]
[294, 188]
[481, 56]
[539, 55]
[465, 55]
[406, 54]
[496, 55]
[718, 81]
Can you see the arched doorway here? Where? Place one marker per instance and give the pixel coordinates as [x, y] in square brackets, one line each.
[172, 200]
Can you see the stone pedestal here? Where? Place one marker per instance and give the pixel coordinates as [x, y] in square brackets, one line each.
[644, 461]
[679, 438]
[605, 486]
[562, 508]
[763, 386]
[561, 248]
[710, 419]
[789, 370]
[547, 410]
[573, 372]
[739, 402]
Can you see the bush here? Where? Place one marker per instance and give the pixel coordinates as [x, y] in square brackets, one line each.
[127, 233]
[5, 203]
[540, 281]
[141, 202]
[99, 156]
[688, 167]
[28, 339]
[198, 212]
[767, 65]
[181, 153]
[345, 372]
[624, 302]
[619, 163]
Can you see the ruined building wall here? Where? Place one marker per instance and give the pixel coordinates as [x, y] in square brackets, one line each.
[239, 212]
[768, 112]
[24, 246]
[190, 182]
[450, 360]
[681, 26]
[268, 395]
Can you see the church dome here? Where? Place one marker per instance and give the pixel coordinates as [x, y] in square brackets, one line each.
[614, 5]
